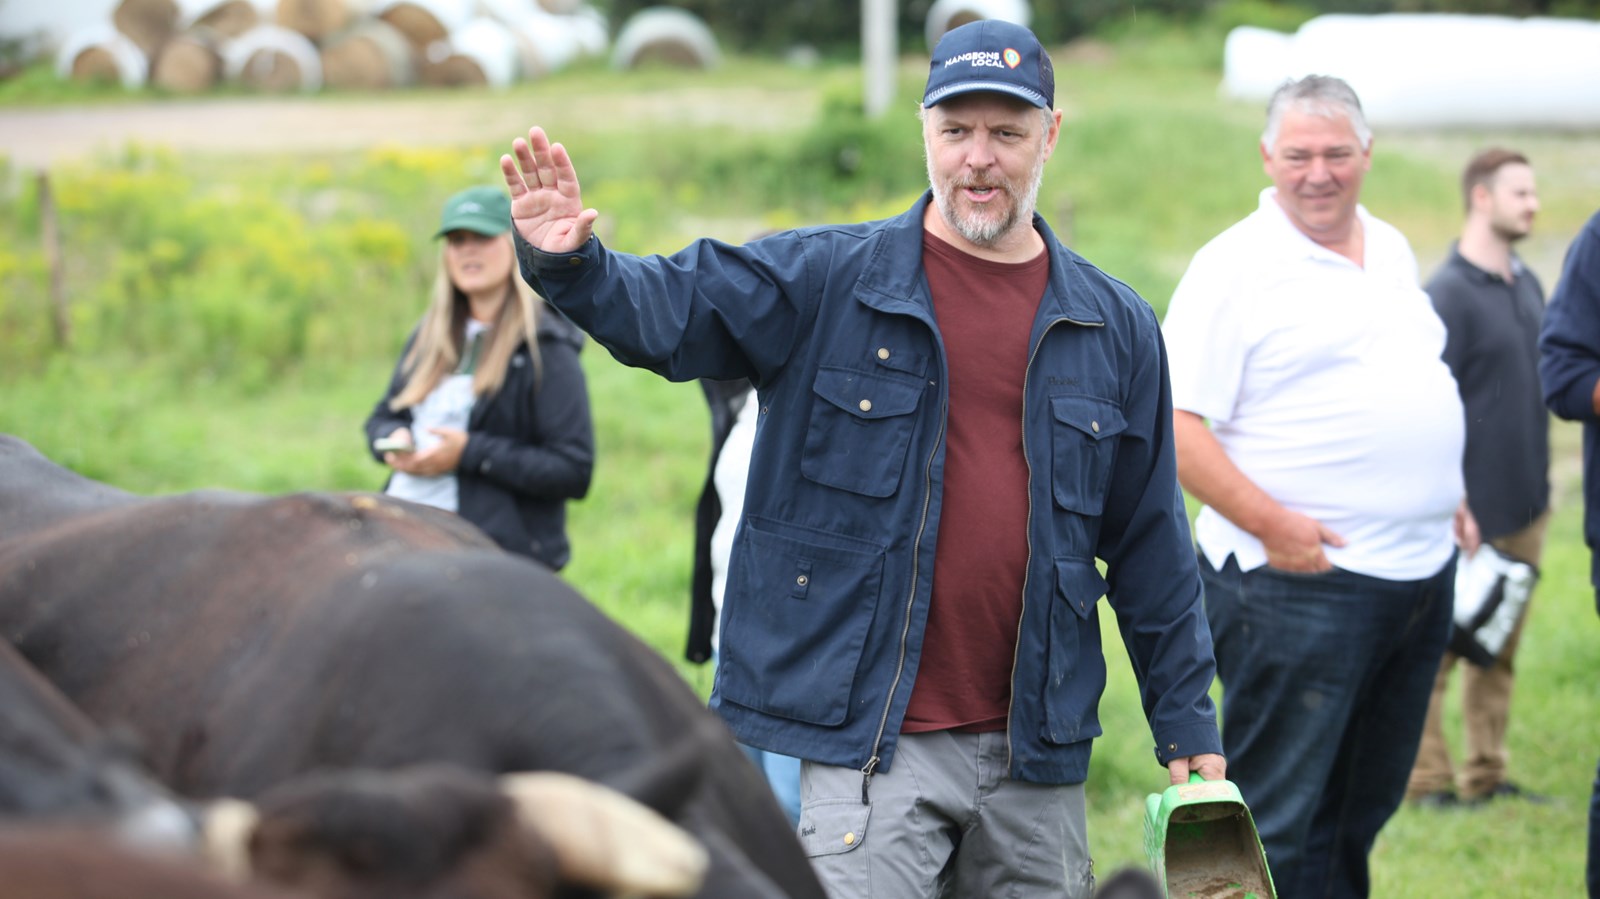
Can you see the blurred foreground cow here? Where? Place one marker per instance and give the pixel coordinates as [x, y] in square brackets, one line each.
[79, 819]
[247, 640]
[431, 832]
[57, 766]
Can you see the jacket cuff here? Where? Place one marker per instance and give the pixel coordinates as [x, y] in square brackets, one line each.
[536, 264]
[1578, 401]
[1198, 738]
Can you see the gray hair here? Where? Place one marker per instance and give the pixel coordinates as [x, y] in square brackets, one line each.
[1322, 95]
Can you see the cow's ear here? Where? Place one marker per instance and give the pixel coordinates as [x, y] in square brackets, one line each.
[603, 839]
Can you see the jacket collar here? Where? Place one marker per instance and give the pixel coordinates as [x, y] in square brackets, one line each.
[893, 280]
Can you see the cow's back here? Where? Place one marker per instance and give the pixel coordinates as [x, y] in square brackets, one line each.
[36, 493]
[250, 639]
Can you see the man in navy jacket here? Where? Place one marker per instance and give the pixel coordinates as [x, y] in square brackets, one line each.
[958, 416]
[1569, 371]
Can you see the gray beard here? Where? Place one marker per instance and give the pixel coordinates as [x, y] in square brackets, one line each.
[978, 229]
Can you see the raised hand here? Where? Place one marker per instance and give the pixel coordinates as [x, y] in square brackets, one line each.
[546, 205]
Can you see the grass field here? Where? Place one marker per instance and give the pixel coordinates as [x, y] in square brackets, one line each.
[1152, 163]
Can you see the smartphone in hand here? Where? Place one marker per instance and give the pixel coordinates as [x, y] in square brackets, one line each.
[392, 445]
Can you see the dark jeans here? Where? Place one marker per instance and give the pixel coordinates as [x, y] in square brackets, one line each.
[1325, 679]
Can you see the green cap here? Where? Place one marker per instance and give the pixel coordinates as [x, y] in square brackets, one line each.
[485, 210]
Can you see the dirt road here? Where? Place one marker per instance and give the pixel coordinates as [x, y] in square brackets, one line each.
[41, 137]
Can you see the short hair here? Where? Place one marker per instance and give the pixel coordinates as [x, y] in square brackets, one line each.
[1483, 168]
[1322, 95]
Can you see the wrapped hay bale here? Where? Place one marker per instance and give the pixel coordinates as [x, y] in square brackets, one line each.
[319, 19]
[944, 15]
[189, 63]
[591, 30]
[482, 52]
[545, 43]
[426, 22]
[101, 53]
[226, 18]
[665, 36]
[273, 59]
[148, 23]
[372, 55]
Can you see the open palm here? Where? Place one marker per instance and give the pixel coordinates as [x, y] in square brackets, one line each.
[546, 204]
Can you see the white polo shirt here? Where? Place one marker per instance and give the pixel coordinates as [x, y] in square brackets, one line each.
[1323, 382]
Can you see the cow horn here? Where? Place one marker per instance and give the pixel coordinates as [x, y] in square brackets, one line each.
[604, 840]
[227, 824]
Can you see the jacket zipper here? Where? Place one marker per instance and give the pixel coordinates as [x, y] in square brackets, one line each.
[1027, 571]
[911, 599]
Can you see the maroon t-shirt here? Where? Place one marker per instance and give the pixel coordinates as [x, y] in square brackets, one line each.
[985, 312]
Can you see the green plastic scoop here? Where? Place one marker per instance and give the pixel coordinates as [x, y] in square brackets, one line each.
[1202, 843]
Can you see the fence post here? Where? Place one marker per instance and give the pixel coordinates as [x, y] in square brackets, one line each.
[51, 237]
[878, 55]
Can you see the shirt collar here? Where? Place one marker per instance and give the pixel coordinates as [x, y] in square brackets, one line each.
[1483, 275]
[1284, 229]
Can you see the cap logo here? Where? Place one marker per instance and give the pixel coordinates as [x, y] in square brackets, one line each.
[1012, 57]
[469, 206]
[977, 58]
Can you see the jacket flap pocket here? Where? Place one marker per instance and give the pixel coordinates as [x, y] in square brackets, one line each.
[833, 826]
[1097, 418]
[1079, 584]
[867, 395]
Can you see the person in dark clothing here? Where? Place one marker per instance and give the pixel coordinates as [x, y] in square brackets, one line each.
[1569, 371]
[1491, 305]
[958, 417]
[487, 413]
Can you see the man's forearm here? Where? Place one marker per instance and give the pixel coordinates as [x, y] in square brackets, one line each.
[1205, 470]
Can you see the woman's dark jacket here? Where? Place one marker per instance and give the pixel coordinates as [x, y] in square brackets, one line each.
[530, 445]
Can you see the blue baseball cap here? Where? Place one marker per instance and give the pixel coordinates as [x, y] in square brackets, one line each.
[991, 55]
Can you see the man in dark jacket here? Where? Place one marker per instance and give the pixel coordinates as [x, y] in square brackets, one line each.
[1569, 370]
[958, 416]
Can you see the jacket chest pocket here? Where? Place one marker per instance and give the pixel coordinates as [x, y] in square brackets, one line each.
[1083, 448]
[860, 430]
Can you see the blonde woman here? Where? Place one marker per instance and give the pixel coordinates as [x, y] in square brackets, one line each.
[487, 414]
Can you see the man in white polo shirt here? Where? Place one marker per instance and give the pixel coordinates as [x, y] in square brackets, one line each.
[1330, 473]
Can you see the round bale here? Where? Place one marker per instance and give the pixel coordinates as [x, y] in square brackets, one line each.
[665, 36]
[148, 23]
[944, 15]
[316, 19]
[227, 18]
[426, 22]
[373, 55]
[545, 44]
[100, 53]
[482, 52]
[190, 63]
[273, 59]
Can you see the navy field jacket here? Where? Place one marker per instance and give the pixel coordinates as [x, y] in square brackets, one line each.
[832, 567]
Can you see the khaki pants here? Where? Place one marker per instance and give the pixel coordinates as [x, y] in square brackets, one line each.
[1485, 702]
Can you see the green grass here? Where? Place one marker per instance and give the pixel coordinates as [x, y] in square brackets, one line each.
[1151, 165]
